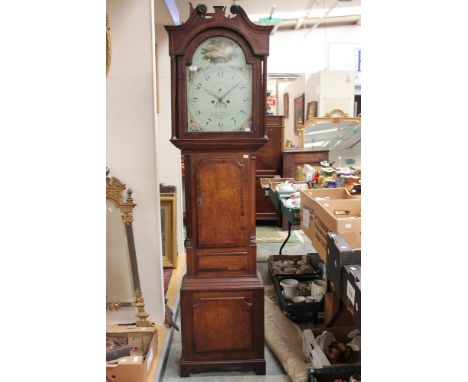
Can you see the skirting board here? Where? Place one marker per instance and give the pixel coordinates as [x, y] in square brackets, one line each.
[166, 333]
[166, 347]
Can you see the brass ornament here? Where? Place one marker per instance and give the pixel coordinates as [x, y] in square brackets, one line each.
[300, 133]
[115, 191]
[113, 305]
[336, 113]
[142, 316]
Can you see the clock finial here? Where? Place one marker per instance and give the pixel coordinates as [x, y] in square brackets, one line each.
[201, 8]
[234, 8]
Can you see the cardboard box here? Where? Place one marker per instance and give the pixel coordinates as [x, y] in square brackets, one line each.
[139, 338]
[342, 249]
[351, 290]
[268, 183]
[337, 371]
[318, 217]
[134, 368]
[309, 203]
[273, 182]
[340, 216]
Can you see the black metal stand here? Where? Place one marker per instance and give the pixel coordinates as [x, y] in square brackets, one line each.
[289, 235]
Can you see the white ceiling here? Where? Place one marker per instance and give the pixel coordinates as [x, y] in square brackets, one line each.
[293, 13]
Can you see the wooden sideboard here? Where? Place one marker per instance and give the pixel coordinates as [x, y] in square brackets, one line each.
[294, 160]
[269, 165]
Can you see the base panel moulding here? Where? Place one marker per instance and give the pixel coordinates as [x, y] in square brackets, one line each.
[222, 324]
[187, 367]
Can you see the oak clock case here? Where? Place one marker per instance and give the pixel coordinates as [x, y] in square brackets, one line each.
[218, 74]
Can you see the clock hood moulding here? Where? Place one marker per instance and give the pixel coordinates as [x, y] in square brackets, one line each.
[258, 37]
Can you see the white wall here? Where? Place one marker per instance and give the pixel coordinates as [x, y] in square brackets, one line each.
[131, 140]
[325, 48]
[333, 89]
[281, 85]
[312, 84]
[294, 88]
[309, 85]
[168, 156]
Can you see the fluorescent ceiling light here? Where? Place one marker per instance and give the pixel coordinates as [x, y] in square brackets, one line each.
[313, 14]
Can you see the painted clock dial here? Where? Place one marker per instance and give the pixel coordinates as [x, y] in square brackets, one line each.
[219, 88]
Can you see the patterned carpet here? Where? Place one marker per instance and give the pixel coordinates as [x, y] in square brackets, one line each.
[266, 234]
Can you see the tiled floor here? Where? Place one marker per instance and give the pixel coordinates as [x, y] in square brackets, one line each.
[274, 370]
[264, 250]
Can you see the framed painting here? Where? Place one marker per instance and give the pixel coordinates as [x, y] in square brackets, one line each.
[169, 228]
[286, 105]
[311, 109]
[298, 112]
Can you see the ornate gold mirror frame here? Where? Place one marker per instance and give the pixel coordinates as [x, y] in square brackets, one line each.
[336, 117]
[115, 193]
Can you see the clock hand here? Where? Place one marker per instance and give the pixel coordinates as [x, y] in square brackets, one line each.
[230, 90]
[218, 98]
[211, 94]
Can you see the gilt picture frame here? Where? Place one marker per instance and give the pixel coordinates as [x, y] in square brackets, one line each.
[286, 105]
[298, 112]
[169, 229]
[311, 109]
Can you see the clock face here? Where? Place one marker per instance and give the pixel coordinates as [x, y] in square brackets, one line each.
[219, 88]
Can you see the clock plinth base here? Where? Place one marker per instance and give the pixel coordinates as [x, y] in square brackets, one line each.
[187, 367]
[222, 324]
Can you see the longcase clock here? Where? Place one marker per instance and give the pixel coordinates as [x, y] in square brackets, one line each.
[219, 72]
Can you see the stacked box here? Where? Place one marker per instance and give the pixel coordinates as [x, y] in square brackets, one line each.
[319, 216]
[309, 203]
[351, 290]
[134, 368]
[336, 371]
[344, 249]
[333, 373]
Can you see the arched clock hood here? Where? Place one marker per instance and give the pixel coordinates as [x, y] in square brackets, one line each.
[183, 39]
